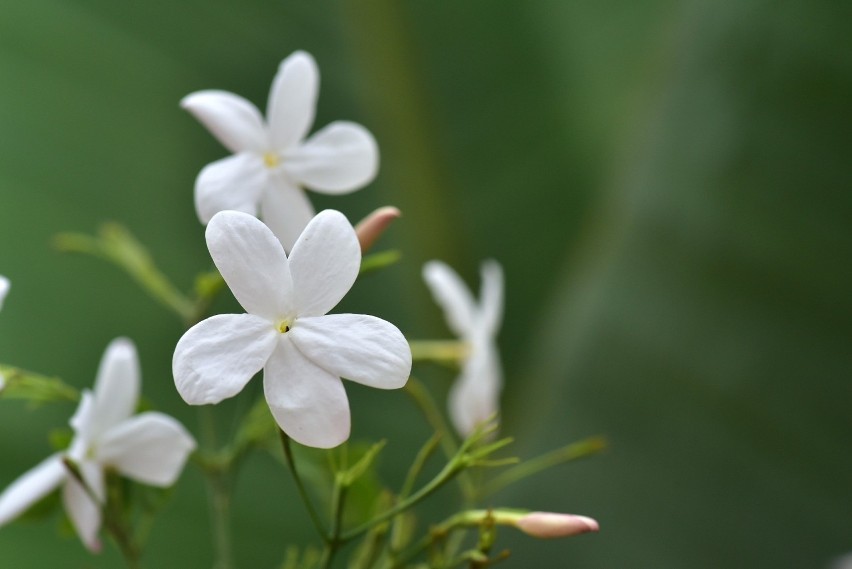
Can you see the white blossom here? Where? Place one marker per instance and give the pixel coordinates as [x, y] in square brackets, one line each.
[303, 351]
[474, 397]
[150, 448]
[272, 162]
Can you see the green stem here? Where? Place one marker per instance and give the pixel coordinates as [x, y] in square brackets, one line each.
[216, 466]
[219, 495]
[117, 245]
[574, 451]
[25, 384]
[291, 463]
[424, 401]
[445, 351]
[333, 542]
[447, 473]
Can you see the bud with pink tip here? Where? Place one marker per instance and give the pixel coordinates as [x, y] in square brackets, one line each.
[371, 227]
[548, 525]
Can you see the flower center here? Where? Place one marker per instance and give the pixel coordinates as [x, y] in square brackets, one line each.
[271, 160]
[284, 326]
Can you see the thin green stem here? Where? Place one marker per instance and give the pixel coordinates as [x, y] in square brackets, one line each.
[444, 351]
[424, 401]
[25, 384]
[219, 495]
[333, 543]
[217, 476]
[117, 245]
[291, 463]
[574, 451]
[447, 473]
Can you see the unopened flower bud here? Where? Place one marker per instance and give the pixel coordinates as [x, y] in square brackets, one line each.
[548, 525]
[371, 227]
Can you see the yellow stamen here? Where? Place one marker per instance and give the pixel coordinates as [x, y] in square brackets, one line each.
[271, 160]
[284, 326]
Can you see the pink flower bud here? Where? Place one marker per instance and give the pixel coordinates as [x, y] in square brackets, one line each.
[548, 525]
[371, 227]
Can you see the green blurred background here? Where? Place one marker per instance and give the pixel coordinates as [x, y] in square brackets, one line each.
[667, 184]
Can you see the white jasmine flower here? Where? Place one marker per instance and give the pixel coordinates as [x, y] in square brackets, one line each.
[272, 162]
[150, 447]
[303, 352]
[475, 395]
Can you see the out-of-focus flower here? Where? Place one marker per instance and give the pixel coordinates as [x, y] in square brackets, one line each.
[272, 162]
[151, 448]
[475, 395]
[303, 351]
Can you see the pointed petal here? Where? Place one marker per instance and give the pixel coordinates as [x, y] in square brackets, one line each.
[233, 183]
[216, 358]
[4, 289]
[85, 514]
[117, 386]
[475, 396]
[491, 296]
[252, 262]
[150, 448]
[293, 100]
[324, 263]
[451, 294]
[338, 159]
[31, 487]
[362, 348]
[308, 403]
[286, 210]
[234, 121]
[81, 422]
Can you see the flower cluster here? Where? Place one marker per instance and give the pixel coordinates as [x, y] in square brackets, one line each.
[288, 268]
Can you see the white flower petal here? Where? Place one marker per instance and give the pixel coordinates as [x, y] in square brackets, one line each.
[117, 387]
[324, 263]
[150, 448]
[452, 295]
[4, 289]
[234, 121]
[491, 296]
[285, 209]
[81, 422]
[308, 403]
[338, 159]
[215, 358]
[475, 396]
[31, 487]
[292, 100]
[233, 183]
[85, 513]
[252, 262]
[362, 348]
